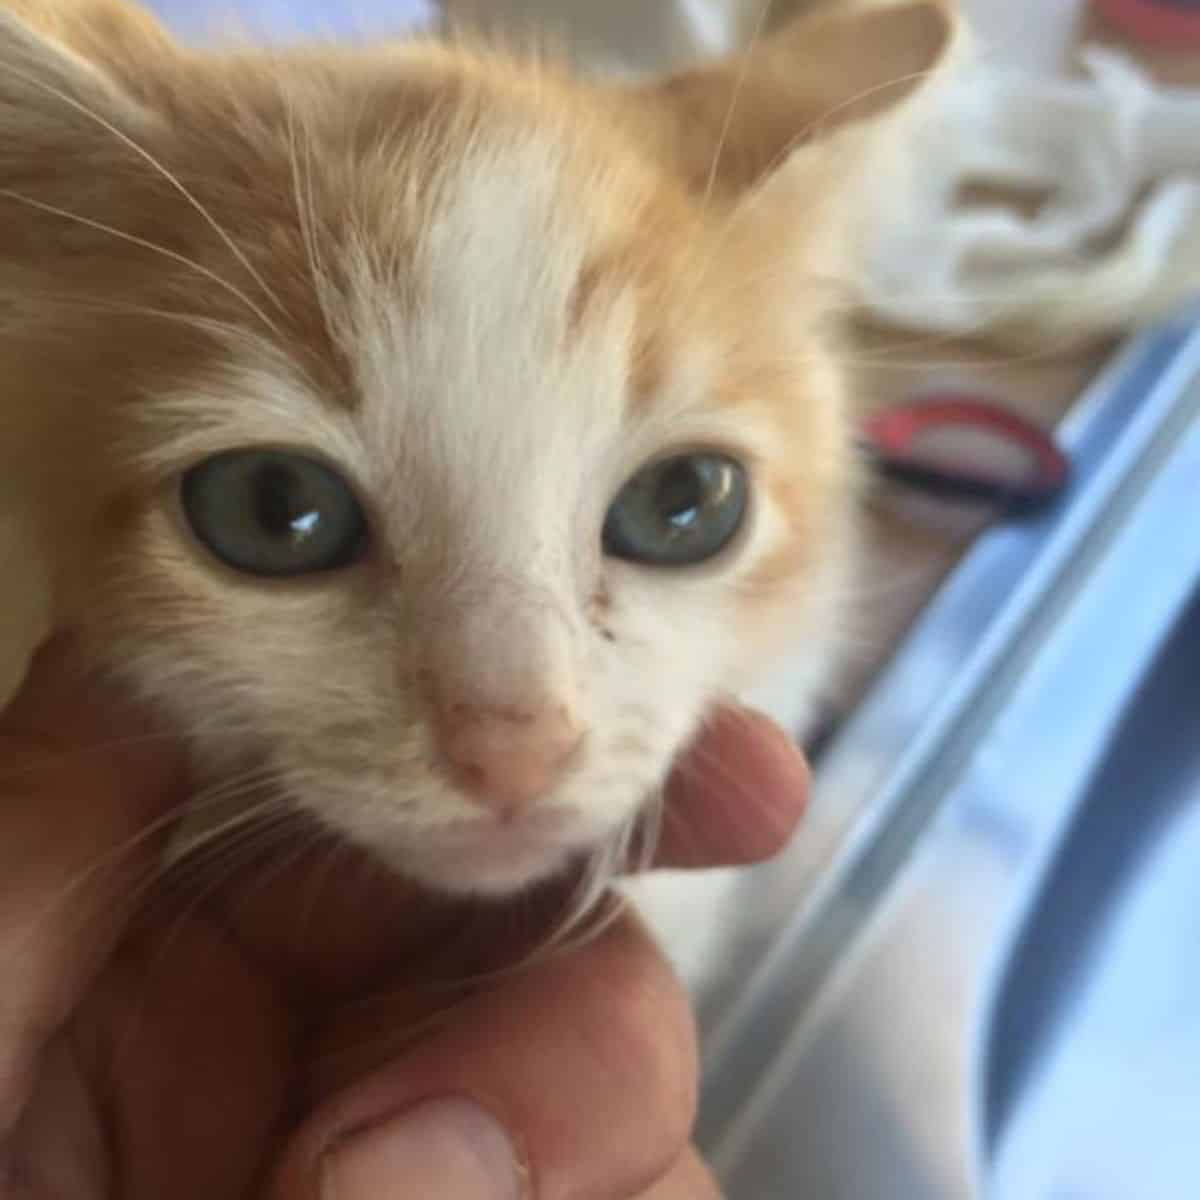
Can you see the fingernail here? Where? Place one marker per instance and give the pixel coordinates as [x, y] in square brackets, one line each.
[449, 1148]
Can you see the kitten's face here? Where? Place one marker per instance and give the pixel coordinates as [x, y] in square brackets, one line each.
[451, 458]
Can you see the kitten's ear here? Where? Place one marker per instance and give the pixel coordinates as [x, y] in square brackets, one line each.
[65, 63]
[729, 123]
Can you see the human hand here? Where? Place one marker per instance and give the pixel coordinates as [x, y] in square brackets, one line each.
[283, 1034]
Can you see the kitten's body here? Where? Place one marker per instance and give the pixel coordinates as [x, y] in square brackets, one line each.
[488, 295]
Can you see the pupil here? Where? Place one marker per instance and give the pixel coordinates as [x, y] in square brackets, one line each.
[280, 504]
[680, 494]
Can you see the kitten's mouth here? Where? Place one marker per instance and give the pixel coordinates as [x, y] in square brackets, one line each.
[555, 831]
[494, 856]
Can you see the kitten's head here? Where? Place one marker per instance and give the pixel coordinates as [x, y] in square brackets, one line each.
[443, 434]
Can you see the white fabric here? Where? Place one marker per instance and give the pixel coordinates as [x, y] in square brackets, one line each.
[1115, 243]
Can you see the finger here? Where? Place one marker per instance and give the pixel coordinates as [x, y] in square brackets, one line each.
[328, 923]
[575, 1079]
[61, 1149]
[736, 796]
[80, 782]
[190, 1048]
[689, 1179]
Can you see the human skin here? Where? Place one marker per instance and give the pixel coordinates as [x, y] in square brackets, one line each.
[283, 1029]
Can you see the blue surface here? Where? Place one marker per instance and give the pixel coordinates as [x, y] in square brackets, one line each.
[286, 19]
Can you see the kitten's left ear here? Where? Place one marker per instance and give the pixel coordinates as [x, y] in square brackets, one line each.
[729, 123]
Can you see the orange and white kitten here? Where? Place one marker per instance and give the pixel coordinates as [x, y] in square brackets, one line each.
[426, 431]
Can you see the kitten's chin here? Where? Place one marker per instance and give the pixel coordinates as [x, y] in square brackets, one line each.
[493, 860]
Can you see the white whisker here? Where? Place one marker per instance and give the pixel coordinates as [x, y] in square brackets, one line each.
[306, 214]
[172, 179]
[739, 88]
[133, 239]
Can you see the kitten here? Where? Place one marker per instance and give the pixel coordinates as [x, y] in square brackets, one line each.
[434, 433]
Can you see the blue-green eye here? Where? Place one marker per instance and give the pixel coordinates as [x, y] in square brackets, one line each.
[275, 513]
[678, 511]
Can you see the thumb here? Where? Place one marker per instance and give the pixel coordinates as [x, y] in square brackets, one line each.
[574, 1077]
[445, 1147]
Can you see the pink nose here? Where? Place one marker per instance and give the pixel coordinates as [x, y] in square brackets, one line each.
[507, 759]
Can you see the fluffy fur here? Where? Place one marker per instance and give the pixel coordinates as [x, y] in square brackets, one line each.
[488, 293]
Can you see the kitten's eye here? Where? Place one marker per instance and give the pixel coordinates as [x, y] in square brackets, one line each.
[270, 512]
[677, 511]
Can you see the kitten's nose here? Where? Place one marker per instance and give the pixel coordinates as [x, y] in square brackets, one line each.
[507, 759]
